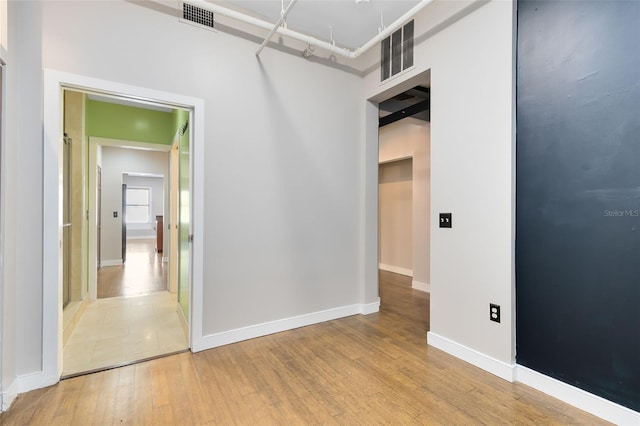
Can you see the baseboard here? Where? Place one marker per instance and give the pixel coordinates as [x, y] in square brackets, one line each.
[142, 237]
[72, 314]
[417, 285]
[183, 320]
[245, 333]
[395, 269]
[113, 262]
[8, 396]
[31, 381]
[501, 369]
[370, 308]
[577, 397]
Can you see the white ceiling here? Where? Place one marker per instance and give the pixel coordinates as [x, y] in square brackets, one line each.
[353, 24]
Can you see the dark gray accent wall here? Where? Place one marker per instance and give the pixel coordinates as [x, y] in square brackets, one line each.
[578, 194]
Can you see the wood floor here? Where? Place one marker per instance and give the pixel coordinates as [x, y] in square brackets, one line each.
[142, 273]
[360, 370]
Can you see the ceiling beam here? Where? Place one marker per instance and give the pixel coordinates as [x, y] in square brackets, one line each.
[403, 113]
[419, 92]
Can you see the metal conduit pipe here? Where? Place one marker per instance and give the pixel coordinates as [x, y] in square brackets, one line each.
[312, 41]
[283, 16]
[388, 30]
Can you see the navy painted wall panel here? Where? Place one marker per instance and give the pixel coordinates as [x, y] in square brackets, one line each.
[578, 194]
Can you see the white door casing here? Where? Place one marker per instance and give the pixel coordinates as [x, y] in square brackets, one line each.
[54, 82]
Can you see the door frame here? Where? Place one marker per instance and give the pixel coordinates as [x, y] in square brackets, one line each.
[54, 84]
[370, 290]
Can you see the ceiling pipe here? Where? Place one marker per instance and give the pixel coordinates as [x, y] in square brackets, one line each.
[390, 29]
[312, 41]
[283, 16]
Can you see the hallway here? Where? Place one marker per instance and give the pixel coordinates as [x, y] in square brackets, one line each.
[134, 318]
[120, 330]
[143, 272]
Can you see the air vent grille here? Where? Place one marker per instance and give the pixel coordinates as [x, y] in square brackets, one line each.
[197, 14]
[396, 52]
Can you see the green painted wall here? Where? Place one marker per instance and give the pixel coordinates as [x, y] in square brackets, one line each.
[115, 121]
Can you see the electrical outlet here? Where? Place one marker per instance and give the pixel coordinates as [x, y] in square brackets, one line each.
[494, 312]
[115, 214]
[445, 220]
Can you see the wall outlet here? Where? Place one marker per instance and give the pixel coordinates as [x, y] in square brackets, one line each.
[494, 312]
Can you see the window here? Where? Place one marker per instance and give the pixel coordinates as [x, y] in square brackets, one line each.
[138, 205]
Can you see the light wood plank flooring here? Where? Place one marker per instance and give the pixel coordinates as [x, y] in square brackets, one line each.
[142, 273]
[360, 370]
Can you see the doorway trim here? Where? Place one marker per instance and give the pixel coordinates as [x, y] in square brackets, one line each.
[54, 83]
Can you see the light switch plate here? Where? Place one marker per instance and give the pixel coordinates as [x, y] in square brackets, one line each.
[445, 220]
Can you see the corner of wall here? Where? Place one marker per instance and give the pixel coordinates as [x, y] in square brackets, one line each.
[501, 369]
[8, 396]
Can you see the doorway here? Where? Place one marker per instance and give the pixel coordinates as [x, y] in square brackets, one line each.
[133, 316]
[404, 196]
[55, 82]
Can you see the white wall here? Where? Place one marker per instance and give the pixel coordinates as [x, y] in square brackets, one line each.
[115, 162]
[396, 215]
[471, 74]
[282, 196]
[23, 221]
[157, 187]
[283, 226]
[411, 138]
[8, 232]
[3, 24]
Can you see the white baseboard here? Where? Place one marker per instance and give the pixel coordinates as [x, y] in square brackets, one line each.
[31, 381]
[577, 397]
[370, 308]
[421, 286]
[142, 237]
[9, 395]
[23, 383]
[113, 262]
[501, 369]
[183, 322]
[572, 395]
[258, 330]
[395, 269]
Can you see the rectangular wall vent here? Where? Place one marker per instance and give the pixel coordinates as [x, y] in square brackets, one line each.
[396, 52]
[197, 15]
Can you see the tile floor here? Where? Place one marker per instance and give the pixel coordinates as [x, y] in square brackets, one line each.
[118, 330]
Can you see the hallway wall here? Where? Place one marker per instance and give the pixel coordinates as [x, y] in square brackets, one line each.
[412, 138]
[74, 103]
[396, 217]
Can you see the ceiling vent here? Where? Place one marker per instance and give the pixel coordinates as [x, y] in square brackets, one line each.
[197, 15]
